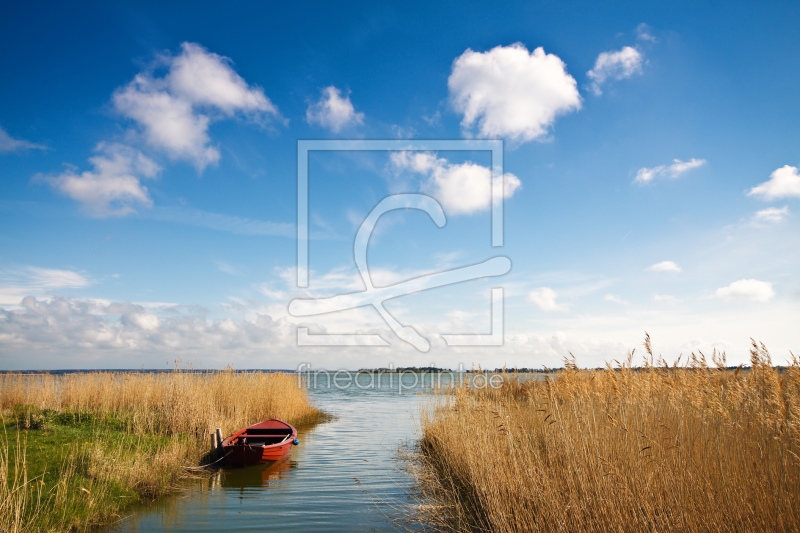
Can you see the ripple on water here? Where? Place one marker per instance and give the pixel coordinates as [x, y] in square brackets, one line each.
[343, 476]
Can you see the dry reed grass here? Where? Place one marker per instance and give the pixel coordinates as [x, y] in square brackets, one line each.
[147, 431]
[166, 404]
[659, 448]
[18, 494]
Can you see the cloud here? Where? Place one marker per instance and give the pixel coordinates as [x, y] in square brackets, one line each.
[272, 294]
[678, 167]
[617, 65]
[70, 326]
[227, 268]
[643, 33]
[747, 289]
[665, 266]
[51, 278]
[143, 321]
[508, 92]
[770, 215]
[169, 122]
[333, 112]
[615, 299]
[9, 144]
[205, 78]
[783, 183]
[112, 187]
[401, 132]
[545, 299]
[174, 111]
[434, 119]
[463, 188]
[32, 280]
[59, 332]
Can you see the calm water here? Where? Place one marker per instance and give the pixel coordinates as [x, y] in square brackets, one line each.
[344, 475]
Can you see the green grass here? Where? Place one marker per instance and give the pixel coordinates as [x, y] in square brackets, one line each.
[59, 453]
[57, 448]
[77, 450]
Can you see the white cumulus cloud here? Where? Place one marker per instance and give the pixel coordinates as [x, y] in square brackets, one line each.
[204, 78]
[616, 65]
[747, 289]
[332, 111]
[463, 188]
[113, 186]
[676, 169]
[142, 320]
[509, 92]
[770, 215]
[782, 183]
[665, 266]
[175, 110]
[73, 327]
[546, 299]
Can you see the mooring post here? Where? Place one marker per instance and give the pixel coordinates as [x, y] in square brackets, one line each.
[219, 440]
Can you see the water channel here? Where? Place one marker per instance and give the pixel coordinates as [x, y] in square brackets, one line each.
[344, 476]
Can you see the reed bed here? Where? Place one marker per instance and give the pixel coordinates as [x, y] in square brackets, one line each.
[656, 448]
[124, 437]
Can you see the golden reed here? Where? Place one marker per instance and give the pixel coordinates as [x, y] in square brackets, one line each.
[658, 448]
[166, 403]
[150, 430]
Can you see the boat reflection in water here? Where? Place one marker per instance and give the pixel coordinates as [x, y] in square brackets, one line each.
[261, 475]
[314, 490]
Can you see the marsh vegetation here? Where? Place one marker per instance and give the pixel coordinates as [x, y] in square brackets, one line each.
[663, 447]
[76, 450]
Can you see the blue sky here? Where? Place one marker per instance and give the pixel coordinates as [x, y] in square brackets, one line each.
[148, 178]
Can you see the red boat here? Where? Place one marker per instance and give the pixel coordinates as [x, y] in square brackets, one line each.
[264, 442]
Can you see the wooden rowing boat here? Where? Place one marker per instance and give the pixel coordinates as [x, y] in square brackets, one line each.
[264, 442]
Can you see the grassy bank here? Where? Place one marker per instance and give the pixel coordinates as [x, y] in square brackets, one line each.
[661, 448]
[76, 450]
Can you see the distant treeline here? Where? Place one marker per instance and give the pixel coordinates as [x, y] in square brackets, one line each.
[405, 369]
[525, 370]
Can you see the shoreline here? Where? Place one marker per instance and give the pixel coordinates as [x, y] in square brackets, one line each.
[79, 451]
[661, 448]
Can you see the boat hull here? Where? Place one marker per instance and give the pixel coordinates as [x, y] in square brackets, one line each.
[265, 442]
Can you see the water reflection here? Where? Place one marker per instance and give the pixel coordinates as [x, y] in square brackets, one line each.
[255, 477]
[343, 476]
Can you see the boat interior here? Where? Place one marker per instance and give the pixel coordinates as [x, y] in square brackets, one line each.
[262, 437]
